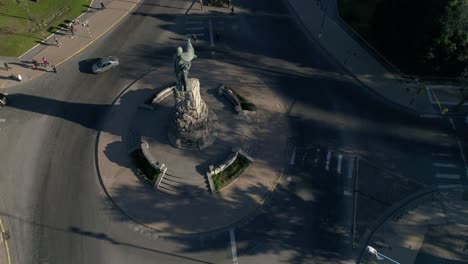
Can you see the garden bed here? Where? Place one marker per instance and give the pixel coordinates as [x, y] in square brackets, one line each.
[144, 169]
[231, 173]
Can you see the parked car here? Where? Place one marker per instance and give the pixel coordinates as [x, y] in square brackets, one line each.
[105, 64]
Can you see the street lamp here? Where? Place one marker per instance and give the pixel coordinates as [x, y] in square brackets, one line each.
[378, 255]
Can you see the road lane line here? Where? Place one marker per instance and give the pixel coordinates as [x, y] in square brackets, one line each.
[195, 28]
[351, 168]
[441, 154]
[452, 123]
[340, 160]
[193, 22]
[5, 241]
[447, 176]
[233, 246]
[463, 157]
[211, 33]
[327, 164]
[444, 165]
[293, 156]
[198, 34]
[2, 120]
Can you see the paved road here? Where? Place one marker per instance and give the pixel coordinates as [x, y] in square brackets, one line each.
[52, 199]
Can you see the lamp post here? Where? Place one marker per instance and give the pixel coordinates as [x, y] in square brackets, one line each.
[378, 255]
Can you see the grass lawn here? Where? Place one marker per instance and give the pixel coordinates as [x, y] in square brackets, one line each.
[358, 14]
[18, 33]
[230, 173]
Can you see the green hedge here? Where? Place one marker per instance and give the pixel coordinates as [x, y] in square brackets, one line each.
[245, 104]
[230, 173]
[144, 168]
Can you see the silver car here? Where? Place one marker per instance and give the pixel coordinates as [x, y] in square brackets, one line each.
[105, 64]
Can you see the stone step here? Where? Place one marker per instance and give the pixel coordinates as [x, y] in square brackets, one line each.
[182, 189]
[192, 180]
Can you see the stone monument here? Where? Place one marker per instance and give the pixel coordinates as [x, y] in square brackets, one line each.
[193, 124]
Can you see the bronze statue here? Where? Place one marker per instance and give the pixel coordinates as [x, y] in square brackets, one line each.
[182, 65]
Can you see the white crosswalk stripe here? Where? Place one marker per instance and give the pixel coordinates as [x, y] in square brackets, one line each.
[447, 176]
[444, 165]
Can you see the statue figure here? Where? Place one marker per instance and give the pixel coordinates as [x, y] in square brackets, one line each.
[182, 65]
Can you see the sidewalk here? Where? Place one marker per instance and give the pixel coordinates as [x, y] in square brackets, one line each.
[356, 59]
[432, 229]
[99, 21]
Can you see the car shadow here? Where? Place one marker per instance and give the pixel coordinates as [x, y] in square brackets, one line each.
[84, 66]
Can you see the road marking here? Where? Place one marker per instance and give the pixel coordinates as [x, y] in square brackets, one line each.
[327, 165]
[430, 116]
[293, 156]
[441, 154]
[340, 160]
[197, 34]
[233, 246]
[211, 33]
[445, 165]
[443, 135]
[452, 123]
[447, 176]
[350, 168]
[5, 241]
[347, 193]
[195, 28]
[2, 120]
[463, 157]
[193, 22]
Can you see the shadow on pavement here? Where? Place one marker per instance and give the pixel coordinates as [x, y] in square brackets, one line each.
[84, 66]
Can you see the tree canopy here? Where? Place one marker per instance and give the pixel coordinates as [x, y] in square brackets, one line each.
[423, 36]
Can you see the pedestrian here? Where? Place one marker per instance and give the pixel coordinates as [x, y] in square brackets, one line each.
[54, 69]
[232, 10]
[72, 30]
[102, 5]
[6, 66]
[86, 24]
[217, 36]
[45, 62]
[229, 3]
[201, 5]
[194, 37]
[34, 63]
[57, 43]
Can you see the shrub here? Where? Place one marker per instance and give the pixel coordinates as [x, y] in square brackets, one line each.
[245, 104]
[144, 168]
[231, 173]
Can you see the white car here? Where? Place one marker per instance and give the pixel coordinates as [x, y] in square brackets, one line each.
[105, 64]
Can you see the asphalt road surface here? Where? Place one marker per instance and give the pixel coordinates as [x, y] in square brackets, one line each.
[51, 198]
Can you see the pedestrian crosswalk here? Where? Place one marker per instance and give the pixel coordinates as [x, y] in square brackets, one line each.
[208, 29]
[447, 162]
[332, 164]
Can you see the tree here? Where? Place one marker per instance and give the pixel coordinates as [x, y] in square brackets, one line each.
[423, 36]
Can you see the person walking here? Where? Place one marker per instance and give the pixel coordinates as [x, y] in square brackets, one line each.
[232, 10]
[57, 43]
[34, 63]
[45, 63]
[6, 66]
[72, 30]
[54, 69]
[102, 5]
[229, 3]
[217, 36]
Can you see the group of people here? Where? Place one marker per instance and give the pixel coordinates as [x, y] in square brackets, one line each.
[44, 63]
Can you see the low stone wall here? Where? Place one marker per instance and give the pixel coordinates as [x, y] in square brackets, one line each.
[154, 163]
[212, 170]
[222, 91]
[161, 95]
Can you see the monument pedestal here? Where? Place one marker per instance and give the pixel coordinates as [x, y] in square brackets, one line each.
[193, 124]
